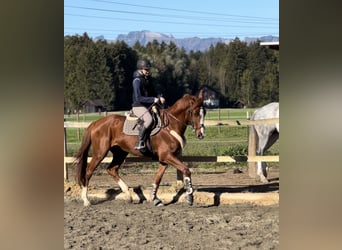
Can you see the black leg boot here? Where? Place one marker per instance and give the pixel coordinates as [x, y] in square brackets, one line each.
[141, 140]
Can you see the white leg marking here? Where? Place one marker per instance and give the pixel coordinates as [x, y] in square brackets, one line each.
[188, 185]
[123, 186]
[259, 170]
[84, 196]
[262, 167]
[154, 192]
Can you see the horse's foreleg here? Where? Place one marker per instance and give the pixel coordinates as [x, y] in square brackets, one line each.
[188, 185]
[189, 190]
[187, 178]
[157, 179]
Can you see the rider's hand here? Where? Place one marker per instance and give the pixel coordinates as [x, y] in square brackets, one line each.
[162, 99]
[156, 100]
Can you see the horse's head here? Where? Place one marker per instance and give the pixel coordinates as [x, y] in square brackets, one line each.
[196, 114]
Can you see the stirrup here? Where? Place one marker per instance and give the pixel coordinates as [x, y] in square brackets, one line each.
[140, 145]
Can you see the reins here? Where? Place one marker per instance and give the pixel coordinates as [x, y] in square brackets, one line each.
[168, 114]
[148, 110]
[172, 116]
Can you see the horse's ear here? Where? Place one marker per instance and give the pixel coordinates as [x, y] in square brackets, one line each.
[199, 100]
[200, 94]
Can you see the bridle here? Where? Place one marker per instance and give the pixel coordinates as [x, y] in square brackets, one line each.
[191, 122]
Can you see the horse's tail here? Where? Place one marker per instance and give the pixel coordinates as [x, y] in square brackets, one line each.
[81, 158]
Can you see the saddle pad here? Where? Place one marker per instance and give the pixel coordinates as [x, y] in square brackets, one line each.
[130, 123]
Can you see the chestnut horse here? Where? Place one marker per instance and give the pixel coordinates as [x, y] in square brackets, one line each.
[106, 134]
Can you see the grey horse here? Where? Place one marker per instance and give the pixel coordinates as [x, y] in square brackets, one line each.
[267, 134]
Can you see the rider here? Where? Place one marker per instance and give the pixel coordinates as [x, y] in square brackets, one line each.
[144, 95]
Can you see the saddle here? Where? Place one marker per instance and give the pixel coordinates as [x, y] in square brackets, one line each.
[132, 124]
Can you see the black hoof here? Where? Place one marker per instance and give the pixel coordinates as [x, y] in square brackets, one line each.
[157, 203]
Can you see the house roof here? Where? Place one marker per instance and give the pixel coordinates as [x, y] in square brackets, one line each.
[271, 45]
[96, 102]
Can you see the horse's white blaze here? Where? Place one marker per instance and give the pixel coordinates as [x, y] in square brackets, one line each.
[202, 121]
[203, 131]
[123, 186]
[84, 196]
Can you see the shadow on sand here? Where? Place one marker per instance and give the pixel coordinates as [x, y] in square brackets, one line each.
[273, 186]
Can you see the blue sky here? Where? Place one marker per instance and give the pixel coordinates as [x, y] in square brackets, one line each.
[180, 18]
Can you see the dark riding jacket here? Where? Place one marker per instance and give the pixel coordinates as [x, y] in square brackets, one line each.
[143, 90]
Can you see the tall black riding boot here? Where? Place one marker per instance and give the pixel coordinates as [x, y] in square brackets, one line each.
[141, 140]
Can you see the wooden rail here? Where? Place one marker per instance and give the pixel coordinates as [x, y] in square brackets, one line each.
[206, 123]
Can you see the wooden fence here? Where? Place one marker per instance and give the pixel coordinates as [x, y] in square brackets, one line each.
[251, 158]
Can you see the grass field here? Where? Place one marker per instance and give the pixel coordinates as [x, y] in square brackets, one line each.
[219, 140]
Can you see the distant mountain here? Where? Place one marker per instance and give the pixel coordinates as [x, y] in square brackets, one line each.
[201, 44]
[144, 37]
[262, 39]
[192, 43]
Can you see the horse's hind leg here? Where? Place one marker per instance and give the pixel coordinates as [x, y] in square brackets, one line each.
[262, 171]
[113, 169]
[262, 166]
[157, 179]
[265, 144]
[100, 147]
[95, 161]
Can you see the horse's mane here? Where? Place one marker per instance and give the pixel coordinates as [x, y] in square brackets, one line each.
[183, 103]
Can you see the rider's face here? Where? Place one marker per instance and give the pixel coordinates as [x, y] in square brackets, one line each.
[146, 72]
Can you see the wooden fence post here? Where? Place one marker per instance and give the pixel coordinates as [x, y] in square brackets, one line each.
[252, 168]
[65, 154]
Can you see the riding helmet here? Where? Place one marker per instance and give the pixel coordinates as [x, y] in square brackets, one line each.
[143, 64]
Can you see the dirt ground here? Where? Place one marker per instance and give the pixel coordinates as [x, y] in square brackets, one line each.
[214, 221]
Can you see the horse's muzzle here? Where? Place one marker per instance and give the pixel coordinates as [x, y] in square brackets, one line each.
[201, 133]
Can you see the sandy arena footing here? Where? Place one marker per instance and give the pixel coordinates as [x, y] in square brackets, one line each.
[168, 196]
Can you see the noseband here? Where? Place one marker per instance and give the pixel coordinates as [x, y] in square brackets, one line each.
[201, 127]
